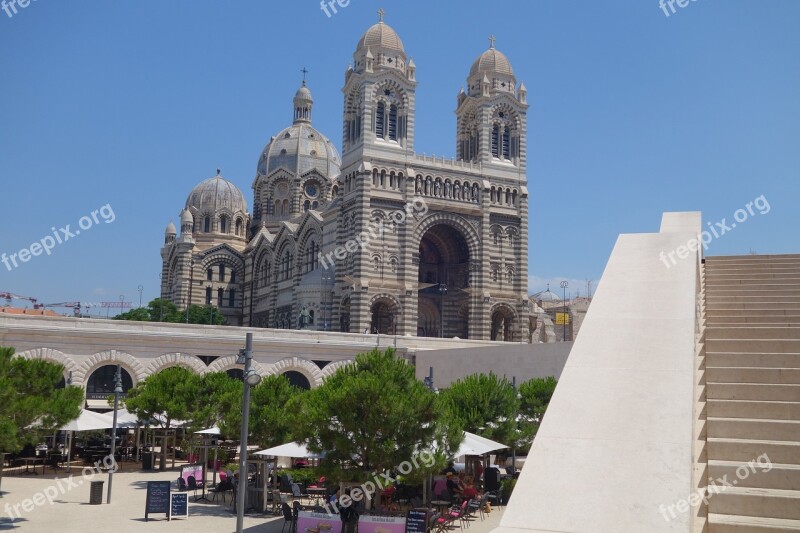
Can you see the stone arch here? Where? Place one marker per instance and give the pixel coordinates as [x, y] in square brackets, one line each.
[109, 357]
[298, 364]
[54, 356]
[176, 359]
[503, 318]
[332, 368]
[229, 361]
[455, 221]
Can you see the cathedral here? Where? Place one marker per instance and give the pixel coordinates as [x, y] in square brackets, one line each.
[379, 239]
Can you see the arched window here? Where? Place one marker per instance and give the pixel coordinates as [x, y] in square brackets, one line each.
[207, 224]
[239, 227]
[380, 116]
[306, 205]
[232, 298]
[209, 274]
[277, 209]
[392, 123]
[208, 295]
[495, 141]
[285, 207]
[223, 224]
[506, 143]
[222, 272]
[233, 276]
[220, 295]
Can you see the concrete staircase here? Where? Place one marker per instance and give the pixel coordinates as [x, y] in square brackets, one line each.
[752, 393]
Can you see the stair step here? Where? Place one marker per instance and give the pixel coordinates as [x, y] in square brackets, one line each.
[754, 282]
[769, 503]
[753, 359]
[757, 296]
[753, 391]
[789, 291]
[750, 374]
[713, 259]
[752, 345]
[753, 428]
[763, 313]
[753, 409]
[752, 332]
[757, 277]
[724, 523]
[748, 270]
[724, 449]
[756, 473]
[738, 321]
[752, 306]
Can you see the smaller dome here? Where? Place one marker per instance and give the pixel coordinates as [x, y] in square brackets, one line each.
[216, 194]
[546, 296]
[186, 217]
[170, 229]
[303, 93]
[492, 61]
[382, 37]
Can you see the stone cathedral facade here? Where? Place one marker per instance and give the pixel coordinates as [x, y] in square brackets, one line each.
[380, 239]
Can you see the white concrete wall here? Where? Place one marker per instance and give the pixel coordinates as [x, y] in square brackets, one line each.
[525, 361]
[616, 443]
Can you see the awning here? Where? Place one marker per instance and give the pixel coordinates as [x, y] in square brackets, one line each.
[290, 449]
[89, 421]
[476, 445]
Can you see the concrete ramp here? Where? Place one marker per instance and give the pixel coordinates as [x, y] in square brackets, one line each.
[614, 451]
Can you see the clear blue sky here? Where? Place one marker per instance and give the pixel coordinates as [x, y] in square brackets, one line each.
[632, 113]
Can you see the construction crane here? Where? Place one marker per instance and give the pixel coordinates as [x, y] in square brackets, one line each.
[75, 306]
[9, 297]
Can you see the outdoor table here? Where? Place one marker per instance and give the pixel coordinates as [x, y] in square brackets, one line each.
[32, 461]
[318, 493]
[442, 505]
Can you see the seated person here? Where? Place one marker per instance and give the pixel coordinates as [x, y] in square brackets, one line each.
[450, 468]
[470, 492]
[454, 484]
[440, 486]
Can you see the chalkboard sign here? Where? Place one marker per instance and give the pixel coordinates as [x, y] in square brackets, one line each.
[416, 521]
[178, 505]
[157, 498]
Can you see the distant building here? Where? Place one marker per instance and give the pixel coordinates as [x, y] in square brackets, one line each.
[447, 252]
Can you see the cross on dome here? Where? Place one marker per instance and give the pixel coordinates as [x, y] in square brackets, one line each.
[381, 13]
[491, 41]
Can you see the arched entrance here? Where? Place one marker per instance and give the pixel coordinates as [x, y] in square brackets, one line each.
[443, 276]
[384, 316]
[297, 379]
[235, 373]
[344, 315]
[101, 382]
[502, 324]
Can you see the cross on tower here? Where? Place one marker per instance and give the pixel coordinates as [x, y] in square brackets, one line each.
[304, 70]
[381, 13]
[491, 41]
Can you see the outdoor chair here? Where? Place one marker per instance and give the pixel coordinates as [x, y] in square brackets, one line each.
[288, 518]
[479, 505]
[182, 485]
[222, 487]
[297, 493]
[193, 485]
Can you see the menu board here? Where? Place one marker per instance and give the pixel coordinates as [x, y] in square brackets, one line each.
[309, 522]
[178, 505]
[381, 524]
[157, 498]
[416, 521]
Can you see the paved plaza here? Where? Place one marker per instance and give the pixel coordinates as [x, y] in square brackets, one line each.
[71, 512]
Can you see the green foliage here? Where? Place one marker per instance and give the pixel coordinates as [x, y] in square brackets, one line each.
[273, 411]
[172, 394]
[535, 395]
[30, 404]
[369, 416]
[160, 310]
[483, 404]
[218, 400]
[508, 485]
[303, 475]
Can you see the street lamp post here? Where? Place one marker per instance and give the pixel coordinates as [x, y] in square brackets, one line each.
[251, 379]
[442, 292]
[564, 286]
[140, 288]
[113, 467]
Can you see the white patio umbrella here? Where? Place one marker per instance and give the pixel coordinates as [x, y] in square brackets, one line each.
[209, 431]
[290, 449]
[86, 421]
[476, 445]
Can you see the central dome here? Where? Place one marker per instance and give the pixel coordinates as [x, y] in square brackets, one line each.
[298, 149]
[381, 37]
